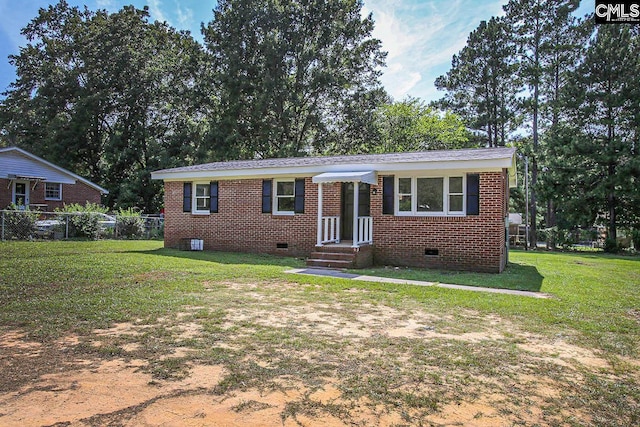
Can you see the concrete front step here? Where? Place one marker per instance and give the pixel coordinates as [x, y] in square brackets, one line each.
[339, 256]
[344, 249]
[329, 263]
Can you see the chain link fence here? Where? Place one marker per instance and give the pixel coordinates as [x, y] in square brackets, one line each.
[32, 225]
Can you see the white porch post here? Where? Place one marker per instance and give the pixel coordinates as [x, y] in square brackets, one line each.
[356, 195]
[319, 235]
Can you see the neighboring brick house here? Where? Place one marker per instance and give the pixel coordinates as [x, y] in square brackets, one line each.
[441, 209]
[26, 179]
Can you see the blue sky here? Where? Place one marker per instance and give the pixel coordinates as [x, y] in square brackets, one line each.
[420, 36]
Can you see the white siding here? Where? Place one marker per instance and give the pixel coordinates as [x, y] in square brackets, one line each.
[14, 163]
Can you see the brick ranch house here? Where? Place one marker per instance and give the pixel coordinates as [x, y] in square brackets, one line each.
[26, 179]
[441, 209]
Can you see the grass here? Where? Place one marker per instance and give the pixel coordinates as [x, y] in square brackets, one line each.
[272, 331]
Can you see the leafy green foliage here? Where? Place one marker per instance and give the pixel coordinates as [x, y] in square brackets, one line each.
[410, 125]
[594, 161]
[130, 224]
[288, 72]
[19, 222]
[84, 221]
[108, 96]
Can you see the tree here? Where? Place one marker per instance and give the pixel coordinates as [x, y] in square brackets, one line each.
[536, 25]
[598, 166]
[480, 85]
[410, 125]
[288, 71]
[110, 96]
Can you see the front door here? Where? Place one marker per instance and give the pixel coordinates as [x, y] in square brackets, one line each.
[364, 202]
[21, 193]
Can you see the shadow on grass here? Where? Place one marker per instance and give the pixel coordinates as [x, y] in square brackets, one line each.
[516, 276]
[229, 258]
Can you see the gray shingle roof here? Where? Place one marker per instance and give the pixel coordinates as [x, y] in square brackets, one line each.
[422, 156]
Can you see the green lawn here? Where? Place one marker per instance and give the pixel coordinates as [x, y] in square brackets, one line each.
[53, 289]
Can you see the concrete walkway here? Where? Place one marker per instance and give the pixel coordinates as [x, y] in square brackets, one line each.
[342, 275]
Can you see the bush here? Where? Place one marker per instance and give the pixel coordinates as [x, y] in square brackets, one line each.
[130, 224]
[19, 223]
[84, 221]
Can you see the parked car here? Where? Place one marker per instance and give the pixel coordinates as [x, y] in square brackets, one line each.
[107, 221]
[45, 227]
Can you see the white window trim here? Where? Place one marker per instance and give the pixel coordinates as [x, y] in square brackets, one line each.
[59, 198]
[275, 197]
[194, 203]
[445, 194]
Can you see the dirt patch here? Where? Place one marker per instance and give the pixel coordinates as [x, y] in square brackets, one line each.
[562, 353]
[247, 355]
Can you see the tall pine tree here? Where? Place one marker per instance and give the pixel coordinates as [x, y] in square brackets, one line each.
[480, 85]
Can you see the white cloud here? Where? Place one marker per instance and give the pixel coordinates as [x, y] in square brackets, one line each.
[421, 37]
[109, 5]
[155, 10]
[185, 16]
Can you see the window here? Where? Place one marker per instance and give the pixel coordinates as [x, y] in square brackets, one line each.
[404, 195]
[456, 196]
[202, 198]
[52, 191]
[429, 195]
[285, 197]
[435, 196]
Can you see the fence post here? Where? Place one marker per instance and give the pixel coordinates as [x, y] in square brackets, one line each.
[66, 226]
[2, 232]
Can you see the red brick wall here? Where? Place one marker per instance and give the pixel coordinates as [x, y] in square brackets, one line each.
[71, 193]
[475, 243]
[463, 243]
[240, 225]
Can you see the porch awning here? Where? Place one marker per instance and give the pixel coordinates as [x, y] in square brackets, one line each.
[368, 177]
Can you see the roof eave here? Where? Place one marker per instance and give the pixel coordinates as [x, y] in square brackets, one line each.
[477, 165]
[58, 168]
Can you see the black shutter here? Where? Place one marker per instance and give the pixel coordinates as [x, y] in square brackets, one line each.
[213, 192]
[267, 190]
[387, 195]
[473, 194]
[298, 202]
[186, 197]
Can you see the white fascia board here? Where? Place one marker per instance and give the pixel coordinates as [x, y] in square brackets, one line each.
[493, 165]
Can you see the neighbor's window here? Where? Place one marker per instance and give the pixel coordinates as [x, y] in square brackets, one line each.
[285, 197]
[203, 198]
[52, 191]
[430, 196]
